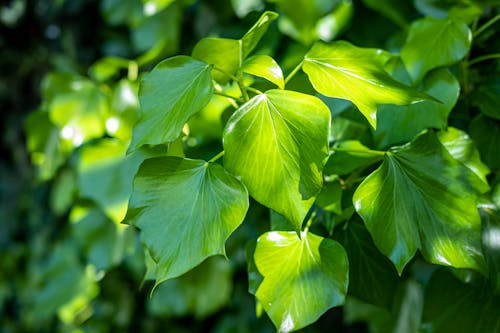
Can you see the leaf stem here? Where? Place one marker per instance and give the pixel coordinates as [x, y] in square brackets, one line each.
[293, 72]
[483, 58]
[216, 157]
[369, 152]
[257, 91]
[228, 96]
[486, 26]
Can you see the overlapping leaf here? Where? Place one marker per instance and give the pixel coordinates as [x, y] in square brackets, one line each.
[277, 142]
[342, 70]
[266, 67]
[169, 95]
[303, 277]
[433, 43]
[420, 198]
[186, 209]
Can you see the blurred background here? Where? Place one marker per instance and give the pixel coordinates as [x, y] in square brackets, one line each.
[66, 262]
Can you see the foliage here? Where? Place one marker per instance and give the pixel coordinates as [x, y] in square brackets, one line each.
[337, 159]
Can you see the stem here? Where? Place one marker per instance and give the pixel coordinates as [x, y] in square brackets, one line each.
[370, 152]
[293, 72]
[133, 71]
[254, 90]
[243, 90]
[483, 58]
[486, 26]
[216, 157]
[228, 96]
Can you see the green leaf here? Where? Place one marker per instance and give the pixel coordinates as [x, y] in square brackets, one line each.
[277, 143]
[330, 197]
[170, 94]
[400, 124]
[487, 98]
[491, 243]
[186, 209]
[462, 148]
[349, 156]
[124, 110]
[400, 12]
[453, 306]
[433, 43]
[117, 12]
[266, 67]
[151, 7]
[200, 292]
[486, 134]
[107, 67]
[420, 198]
[228, 54]
[342, 70]
[303, 277]
[372, 277]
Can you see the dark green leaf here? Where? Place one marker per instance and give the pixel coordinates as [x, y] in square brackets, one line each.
[342, 70]
[491, 243]
[169, 95]
[400, 124]
[453, 306]
[349, 156]
[486, 134]
[330, 197]
[186, 209]
[420, 198]
[277, 142]
[433, 43]
[303, 277]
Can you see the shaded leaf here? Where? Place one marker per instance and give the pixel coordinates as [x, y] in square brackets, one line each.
[433, 43]
[342, 70]
[486, 134]
[277, 143]
[349, 156]
[170, 94]
[491, 244]
[420, 198]
[186, 209]
[303, 277]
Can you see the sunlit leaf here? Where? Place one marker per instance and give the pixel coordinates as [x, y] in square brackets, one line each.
[303, 277]
[169, 95]
[420, 198]
[342, 70]
[277, 143]
[186, 209]
[433, 43]
[266, 67]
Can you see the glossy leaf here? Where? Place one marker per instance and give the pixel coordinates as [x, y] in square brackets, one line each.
[453, 306]
[169, 95]
[228, 54]
[277, 143]
[420, 198]
[400, 124]
[303, 277]
[462, 148]
[372, 277]
[491, 243]
[433, 43]
[186, 209]
[266, 67]
[342, 70]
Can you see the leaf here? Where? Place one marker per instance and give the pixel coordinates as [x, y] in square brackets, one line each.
[486, 134]
[330, 197]
[453, 306]
[228, 54]
[186, 209]
[124, 110]
[462, 148]
[400, 124]
[372, 277]
[420, 198]
[487, 98]
[151, 7]
[107, 67]
[266, 67]
[350, 155]
[342, 70]
[303, 277]
[400, 12]
[491, 244]
[200, 292]
[170, 94]
[277, 143]
[432, 43]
